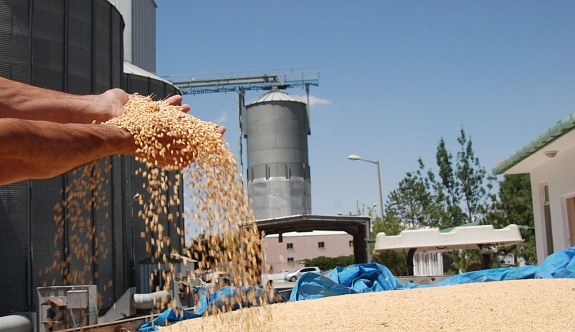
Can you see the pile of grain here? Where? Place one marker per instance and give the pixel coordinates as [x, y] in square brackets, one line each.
[519, 305]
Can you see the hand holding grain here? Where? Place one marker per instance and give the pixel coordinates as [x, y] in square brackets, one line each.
[164, 135]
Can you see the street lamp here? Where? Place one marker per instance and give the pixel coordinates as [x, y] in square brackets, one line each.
[376, 162]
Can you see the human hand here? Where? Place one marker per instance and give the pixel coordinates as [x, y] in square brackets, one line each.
[113, 102]
[177, 100]
[163, 135]
[177, 151]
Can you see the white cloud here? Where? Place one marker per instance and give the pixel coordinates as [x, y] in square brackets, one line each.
[222, 119]
[313, 100]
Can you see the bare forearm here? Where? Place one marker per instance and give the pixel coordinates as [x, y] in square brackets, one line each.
[39, 149]
[22, 101]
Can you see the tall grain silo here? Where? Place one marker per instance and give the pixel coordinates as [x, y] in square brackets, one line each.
[72, 46]
[77, 47]
[278, 173]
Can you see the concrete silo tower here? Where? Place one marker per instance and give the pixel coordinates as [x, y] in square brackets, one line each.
[276, 129]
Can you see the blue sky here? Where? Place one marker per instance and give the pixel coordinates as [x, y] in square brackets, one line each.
[395, 77]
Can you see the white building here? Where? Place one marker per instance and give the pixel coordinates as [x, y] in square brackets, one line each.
[550, 161]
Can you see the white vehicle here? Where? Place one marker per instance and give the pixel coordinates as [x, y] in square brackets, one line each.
[295, 275]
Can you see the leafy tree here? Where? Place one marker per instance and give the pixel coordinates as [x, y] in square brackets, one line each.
[514, 205]
[457, 192]
[393, 260]
[471, 176]
[461, 186]
[412, 202]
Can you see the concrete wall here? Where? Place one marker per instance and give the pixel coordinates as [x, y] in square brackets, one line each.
[558, 174]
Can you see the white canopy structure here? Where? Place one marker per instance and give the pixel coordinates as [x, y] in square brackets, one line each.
[483, 237]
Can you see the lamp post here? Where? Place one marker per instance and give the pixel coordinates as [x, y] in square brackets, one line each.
[376, 162]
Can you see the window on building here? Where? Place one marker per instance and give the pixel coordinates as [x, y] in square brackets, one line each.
[321, 245]
[290, 261]
[571, 219]
[351, 243]
[289, 246]
[547, 220]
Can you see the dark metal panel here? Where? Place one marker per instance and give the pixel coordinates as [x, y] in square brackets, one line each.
[47, 236]
[14, 247]
[140, 235]
[78, 226]
[102, 48]
[116, 48]
[48, 41]
[119, 266]
[14, 33]
[128, 206]
[103, 240]
[138, 84]
[80, 41]
[156, 89]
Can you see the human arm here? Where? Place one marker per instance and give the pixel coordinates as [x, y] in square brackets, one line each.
[23, 101]
[41, 149]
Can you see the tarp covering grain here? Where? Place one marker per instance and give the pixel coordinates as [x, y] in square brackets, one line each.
[373, 277]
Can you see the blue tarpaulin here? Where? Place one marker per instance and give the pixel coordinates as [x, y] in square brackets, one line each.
[373, 277]
[207, 299]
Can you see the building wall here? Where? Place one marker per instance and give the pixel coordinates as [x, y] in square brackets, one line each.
[305, 246]
[559, 175]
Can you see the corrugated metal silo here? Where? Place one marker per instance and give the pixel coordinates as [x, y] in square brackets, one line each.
[276, 130]
[73, 46]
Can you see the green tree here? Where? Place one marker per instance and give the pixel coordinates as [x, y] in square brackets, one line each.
[513, 205]
[461, 186]
[412, 202]
[471, 177]
[457, 192]
[393, 260]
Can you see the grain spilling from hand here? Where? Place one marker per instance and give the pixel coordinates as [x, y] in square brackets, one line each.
[81, 243]
[216, 205]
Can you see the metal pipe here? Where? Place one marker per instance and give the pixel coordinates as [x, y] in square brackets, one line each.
[151, 300]
[15, 323]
